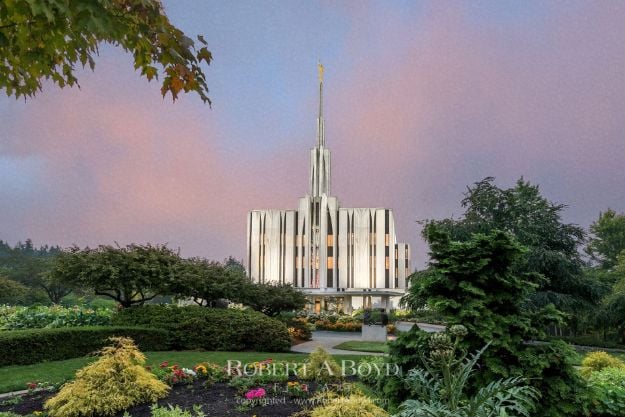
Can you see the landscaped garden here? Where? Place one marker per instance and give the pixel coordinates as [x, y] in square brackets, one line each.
[215, 344]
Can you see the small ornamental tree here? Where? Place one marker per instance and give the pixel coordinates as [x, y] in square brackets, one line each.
[207, 282]
[272, 299]
[474, 283]
[11, 292]
[43, 39]
[130, 275]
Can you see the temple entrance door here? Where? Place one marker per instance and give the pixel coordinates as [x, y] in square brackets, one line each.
[317, 305]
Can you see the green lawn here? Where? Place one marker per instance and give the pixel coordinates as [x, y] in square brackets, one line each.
[14, 378]
[359, 345]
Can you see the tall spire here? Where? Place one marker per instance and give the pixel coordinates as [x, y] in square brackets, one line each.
[320, 155]
[321, 137]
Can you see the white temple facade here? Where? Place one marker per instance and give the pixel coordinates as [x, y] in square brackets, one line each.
[349, 256]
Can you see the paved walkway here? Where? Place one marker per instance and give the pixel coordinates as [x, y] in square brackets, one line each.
[327, 340]
[404, 326]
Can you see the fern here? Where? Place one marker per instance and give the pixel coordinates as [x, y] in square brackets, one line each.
[439, 388]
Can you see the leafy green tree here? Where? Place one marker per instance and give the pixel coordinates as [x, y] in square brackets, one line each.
[29, 266]
[47, 39]
[607, 240]
[130, 275]
[611, 315]
[272, 299]
[235, 266]
[553, 247]
[11, 292]
[207, 283]
[475, 283]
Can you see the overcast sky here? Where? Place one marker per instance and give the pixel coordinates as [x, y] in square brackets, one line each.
[421, 100]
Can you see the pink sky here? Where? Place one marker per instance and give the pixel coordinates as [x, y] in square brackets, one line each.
[419, 104]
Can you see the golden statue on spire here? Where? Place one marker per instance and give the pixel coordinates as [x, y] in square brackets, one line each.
[320, 68]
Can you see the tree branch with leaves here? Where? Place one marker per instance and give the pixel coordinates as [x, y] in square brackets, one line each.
[47, 39]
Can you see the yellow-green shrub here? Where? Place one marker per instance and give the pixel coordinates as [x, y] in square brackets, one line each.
[596, 361]
[353, 406]
[115, 382]
[321, 367]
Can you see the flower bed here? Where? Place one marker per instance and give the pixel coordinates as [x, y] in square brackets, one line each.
[214, 399]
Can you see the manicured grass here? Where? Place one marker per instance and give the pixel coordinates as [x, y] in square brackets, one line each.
[14, 378]
[359, 345]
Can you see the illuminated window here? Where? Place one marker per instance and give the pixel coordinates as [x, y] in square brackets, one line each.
[396, 253]
[386, 239]
[330, 262]
[387, 262]
[330, 240]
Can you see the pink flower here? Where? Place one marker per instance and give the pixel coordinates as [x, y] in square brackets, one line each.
[255, 393]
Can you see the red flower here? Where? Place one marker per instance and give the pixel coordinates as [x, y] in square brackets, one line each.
[164, 364]
[31, 385]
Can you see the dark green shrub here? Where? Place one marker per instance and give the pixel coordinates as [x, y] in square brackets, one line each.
[194, 327]
[23, 347]
[475, 283]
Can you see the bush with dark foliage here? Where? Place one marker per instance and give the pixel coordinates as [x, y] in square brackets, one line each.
[194, 327]
[474, 283]
[24, 347]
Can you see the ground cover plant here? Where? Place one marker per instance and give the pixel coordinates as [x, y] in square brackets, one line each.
[38, 316]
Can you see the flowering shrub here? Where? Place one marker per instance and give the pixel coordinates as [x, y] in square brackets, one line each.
[344, 326]
[255, 394]
[296, 389]
[211, 372]
[41, 386]
[174, 374]
[37, 317]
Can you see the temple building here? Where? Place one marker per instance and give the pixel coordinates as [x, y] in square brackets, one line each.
[349, 256]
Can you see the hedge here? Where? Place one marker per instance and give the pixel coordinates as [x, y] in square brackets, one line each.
[195, 327]
[24, 347]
